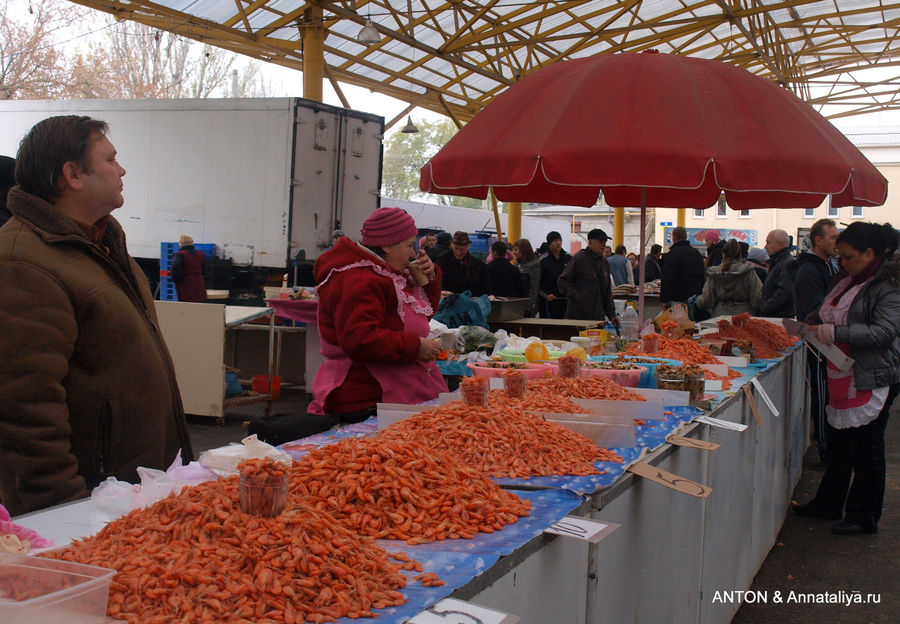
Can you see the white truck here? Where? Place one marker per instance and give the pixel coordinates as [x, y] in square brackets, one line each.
[266, 180]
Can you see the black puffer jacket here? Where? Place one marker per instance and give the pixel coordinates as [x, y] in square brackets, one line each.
[812, 280]
[778, 289]
[873, 329]
[585, 283]
[683, 273]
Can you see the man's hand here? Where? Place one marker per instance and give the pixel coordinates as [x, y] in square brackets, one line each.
[551, 297]
[428, 349]
[615, 321]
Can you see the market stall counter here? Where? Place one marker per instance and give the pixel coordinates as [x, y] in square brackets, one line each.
[545, 329]
[669, 555]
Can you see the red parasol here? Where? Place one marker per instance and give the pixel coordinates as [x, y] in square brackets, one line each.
[653, 130]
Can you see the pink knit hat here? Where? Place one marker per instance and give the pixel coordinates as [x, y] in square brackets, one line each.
[712, 236]
[387, 226]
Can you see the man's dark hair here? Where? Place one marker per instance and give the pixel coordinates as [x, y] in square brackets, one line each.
[745, 249]
[655, 249]
[679, 234]
[7, 177]
[48, 146]
[620, 249]
[500, 248]
[818, 229]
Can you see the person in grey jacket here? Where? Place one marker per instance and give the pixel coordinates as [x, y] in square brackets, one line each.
[530, 267]
[586, 284]
[731, 287]
[861, 316]
[778, 289]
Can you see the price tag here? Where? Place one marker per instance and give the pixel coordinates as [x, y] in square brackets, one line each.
[703, 445]
[452, 611]
[765, 397]
[670, 480]
[752, 403]
[722, 424]
[582, 528]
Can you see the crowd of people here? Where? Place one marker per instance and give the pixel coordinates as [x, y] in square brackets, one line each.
[81, 336]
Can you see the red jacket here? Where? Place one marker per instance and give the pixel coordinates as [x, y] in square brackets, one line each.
[358, 312]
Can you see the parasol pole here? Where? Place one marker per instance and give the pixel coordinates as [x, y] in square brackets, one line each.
[496, 213]
[641, 258]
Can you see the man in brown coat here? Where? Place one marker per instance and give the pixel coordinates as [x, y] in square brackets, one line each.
[87, 386]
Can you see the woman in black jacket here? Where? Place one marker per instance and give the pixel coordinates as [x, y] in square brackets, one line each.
[861, 316]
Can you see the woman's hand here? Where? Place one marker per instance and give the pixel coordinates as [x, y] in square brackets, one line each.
[425, 264]
[429, 349]
[822, 333]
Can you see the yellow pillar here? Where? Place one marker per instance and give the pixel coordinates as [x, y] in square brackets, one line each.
[313, 53]
[679, 217]
[513, 221]
[618, 227]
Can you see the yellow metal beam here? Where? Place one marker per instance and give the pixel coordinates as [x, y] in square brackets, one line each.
[313, 53]
[618, 226]
[679, 217]
[513, 221]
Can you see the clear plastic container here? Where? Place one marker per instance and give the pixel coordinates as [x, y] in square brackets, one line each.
[569, 366]
[475, 391]
[650, 343]
[263, 495]
[37, 590]
[515, 383]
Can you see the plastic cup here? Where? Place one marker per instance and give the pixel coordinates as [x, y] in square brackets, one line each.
[475, 391]
[263, 495]
[650, 343]
[420, 278]
[515, 383]
[569, 366]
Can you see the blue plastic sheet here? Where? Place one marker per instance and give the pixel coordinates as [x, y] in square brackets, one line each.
[654, 432]
[454, 568]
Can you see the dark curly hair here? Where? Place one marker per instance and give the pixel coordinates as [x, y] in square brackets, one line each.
[881, 238]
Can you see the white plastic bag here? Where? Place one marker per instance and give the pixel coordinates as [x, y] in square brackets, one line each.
[225, 459]
[113, 498]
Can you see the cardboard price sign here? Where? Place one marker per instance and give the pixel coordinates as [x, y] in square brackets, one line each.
[753, 406]
[703, 445]
[670, 480]
[452, 611]
[582, 528]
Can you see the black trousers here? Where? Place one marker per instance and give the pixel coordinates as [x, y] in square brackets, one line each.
[857, 453]
[818, 382]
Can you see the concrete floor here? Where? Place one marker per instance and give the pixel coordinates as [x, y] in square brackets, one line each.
[807, 557]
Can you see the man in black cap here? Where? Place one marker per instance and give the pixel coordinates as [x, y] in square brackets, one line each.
[553, 304]
[7, 181]
[586, 284]
[461, 270]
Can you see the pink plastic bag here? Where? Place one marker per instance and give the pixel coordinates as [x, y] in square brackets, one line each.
[8, 527]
